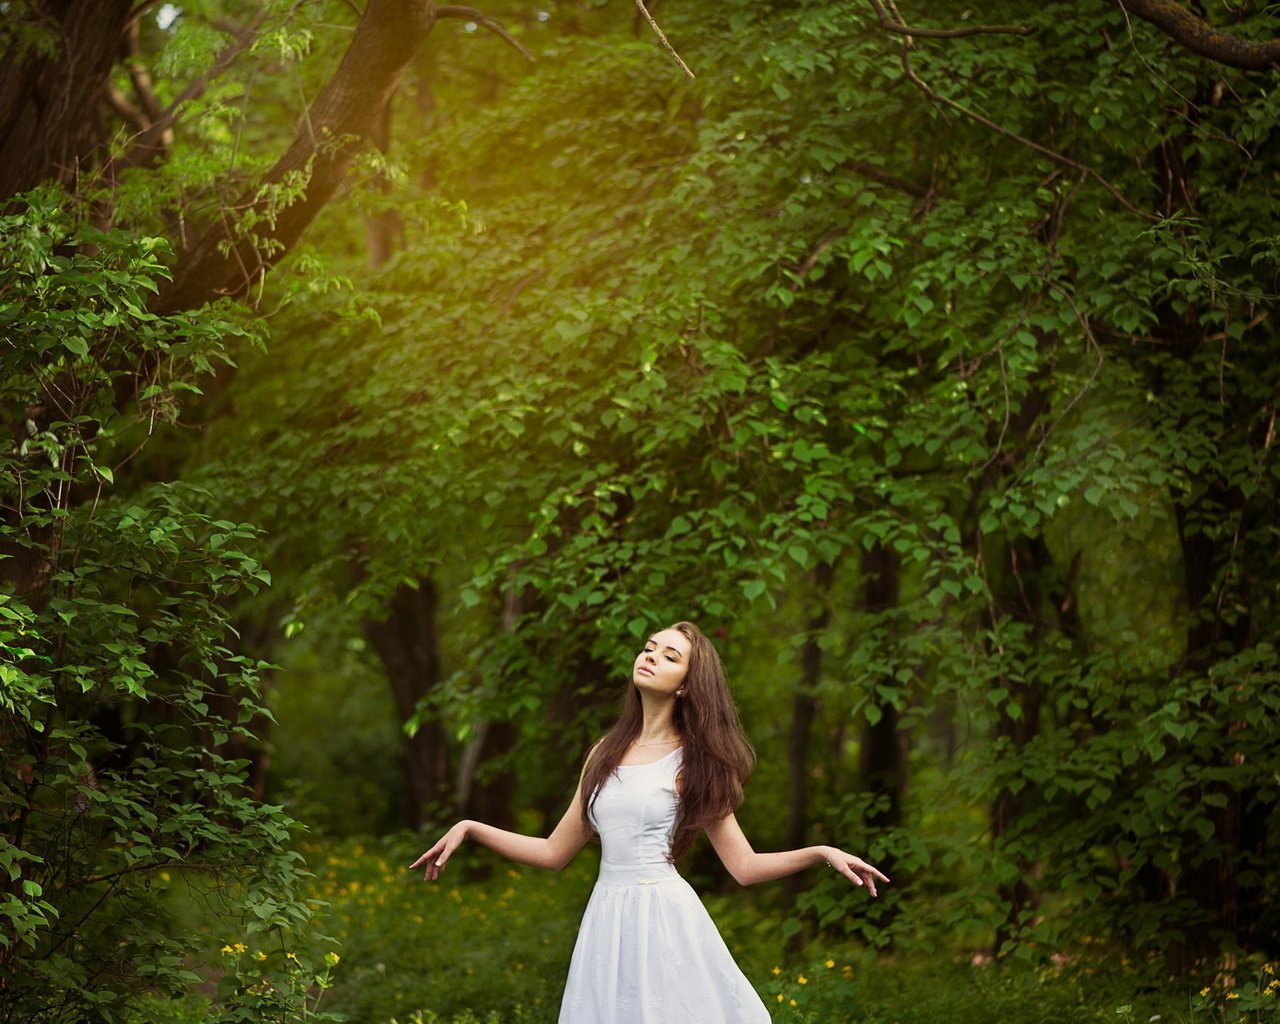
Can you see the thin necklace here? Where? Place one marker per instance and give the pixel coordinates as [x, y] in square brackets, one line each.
[657, 743]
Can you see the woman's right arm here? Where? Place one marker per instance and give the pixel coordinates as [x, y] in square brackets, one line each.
[553, 853]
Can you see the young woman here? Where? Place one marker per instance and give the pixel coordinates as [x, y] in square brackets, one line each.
[674, 764]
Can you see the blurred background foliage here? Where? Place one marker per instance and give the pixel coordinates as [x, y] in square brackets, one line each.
[932, 372]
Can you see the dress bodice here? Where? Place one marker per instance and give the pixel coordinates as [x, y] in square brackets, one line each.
[635, 813]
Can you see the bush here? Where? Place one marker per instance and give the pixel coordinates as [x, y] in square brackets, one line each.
[122, 704]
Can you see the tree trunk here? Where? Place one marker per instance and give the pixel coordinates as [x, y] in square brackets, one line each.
[51, 126]
[1018, 595]
[490, 800]
[382, 227]
[882, 762]
[1214, 884]
[804, 708]
[333, 130]
[409, 647]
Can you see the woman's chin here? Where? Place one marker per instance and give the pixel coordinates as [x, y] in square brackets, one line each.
[645, 685]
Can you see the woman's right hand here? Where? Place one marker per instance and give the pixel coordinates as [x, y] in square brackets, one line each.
[434, 859]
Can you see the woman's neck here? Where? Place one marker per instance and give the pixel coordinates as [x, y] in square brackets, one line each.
[659, 719]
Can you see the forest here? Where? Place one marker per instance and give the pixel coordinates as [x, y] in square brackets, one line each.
[379, 374]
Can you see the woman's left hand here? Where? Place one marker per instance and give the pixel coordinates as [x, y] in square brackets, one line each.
[854, 868]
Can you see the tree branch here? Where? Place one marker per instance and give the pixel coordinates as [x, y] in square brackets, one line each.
[141, 9]
[875, 173]
[119, 102]
[1191, 31]
[470, 13]
[662, 36]
[889, 25]
[139, 75]
[158, 135]
[999, 129]
[234, 253]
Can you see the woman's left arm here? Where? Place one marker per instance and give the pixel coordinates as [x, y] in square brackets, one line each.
[749, 867]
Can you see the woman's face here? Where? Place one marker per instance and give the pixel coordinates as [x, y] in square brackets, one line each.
[664, 662]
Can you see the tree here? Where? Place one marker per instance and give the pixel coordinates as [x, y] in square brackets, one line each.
[120, 689]
[107, 676]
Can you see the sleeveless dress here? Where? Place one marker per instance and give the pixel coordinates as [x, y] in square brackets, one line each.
[647, 950]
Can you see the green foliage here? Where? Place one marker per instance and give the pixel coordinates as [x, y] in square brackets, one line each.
[409, 945]
[120, 693]
[655, 350]
[492, 945]
[336, 747]
[256, 985]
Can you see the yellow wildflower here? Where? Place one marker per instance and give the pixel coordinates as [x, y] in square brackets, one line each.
[225, 950]
[1204, 991]
[801, 979]
[1233, 995]
[779, 997]
[777, 970]
[791, 1002]
[292, 956]
[240, 947]
[831, 963]
[332, 959]
[261, 955]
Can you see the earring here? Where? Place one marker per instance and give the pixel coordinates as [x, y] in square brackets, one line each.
[679, 693]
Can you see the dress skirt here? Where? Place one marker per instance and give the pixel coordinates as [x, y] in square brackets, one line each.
[649, 953]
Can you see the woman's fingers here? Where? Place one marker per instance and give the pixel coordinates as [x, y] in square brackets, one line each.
[433, 859]
[863, 866]
[429, 855]
[860, 872]
[842, 865]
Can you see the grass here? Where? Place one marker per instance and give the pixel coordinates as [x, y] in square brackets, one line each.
[490, 944]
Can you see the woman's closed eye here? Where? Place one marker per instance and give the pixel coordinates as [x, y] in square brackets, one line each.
[669, 657]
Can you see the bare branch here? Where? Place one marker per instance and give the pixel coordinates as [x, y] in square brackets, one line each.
[119, 102]
[875, 173]
[470, 13]
[158, 135]
[139, 75]
[141, 9]
[662, 36]
[890, 25]
[999, 129]
[818, 250]
[223, 61]
[1190, 30]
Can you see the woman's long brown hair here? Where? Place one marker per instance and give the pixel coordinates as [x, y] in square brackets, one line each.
[717, 758]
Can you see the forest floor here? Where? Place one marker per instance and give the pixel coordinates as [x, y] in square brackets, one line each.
[490, 943]
[493, 945]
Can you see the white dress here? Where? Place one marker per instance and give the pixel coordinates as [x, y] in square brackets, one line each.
[647, 950]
